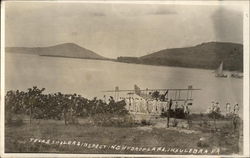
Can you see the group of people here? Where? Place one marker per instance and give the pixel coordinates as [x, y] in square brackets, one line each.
[156, 106]
[229, 109]
[232, 109]
[142, 105]
[152, 106]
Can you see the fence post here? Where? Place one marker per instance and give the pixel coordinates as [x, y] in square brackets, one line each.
[30, 113]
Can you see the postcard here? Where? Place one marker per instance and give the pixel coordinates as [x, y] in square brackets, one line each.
[124, 78]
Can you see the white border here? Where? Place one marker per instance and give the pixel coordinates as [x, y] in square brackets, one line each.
[175, 2]
[245, 80]
[2, 78]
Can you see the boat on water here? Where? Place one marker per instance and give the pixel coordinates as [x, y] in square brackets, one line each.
[219, 71]
[236, 75]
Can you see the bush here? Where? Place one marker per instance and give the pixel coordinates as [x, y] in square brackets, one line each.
[113, 120]
[215, 115]
[13, 119]
[52, 106]
[145, 122]
[19, 121]
[203, 143]
[175, 123]
[204, 123]
[8, 117]
[167, 113]
[178, 113]
[16, 122]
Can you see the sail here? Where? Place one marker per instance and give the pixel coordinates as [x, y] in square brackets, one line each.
[137, 90]
[219, 71]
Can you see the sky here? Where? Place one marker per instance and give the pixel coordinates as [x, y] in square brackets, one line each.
[113, 30]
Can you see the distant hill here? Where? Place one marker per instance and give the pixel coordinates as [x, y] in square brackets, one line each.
[206, 55]
[69, 50]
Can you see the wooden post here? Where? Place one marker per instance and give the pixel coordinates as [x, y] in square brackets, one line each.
[168, 121]
[214, 121]
[65, 119]
[169, 108]
[30, 113]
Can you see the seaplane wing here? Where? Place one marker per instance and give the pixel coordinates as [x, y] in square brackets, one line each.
[169, 89]
[178, 94]
[122, 90]
[136, 88]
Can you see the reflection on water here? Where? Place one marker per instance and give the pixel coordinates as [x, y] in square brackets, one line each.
[90, 77]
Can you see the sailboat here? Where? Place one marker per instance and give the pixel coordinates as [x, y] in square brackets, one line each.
[219, 71]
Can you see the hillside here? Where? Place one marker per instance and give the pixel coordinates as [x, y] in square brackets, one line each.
[205, 55]
[70, 50]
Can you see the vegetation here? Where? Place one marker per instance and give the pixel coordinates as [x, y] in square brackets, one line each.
[177, 113]
[206, 55]
[58, 106]
[67, 50]
[95, 122]
[17, 137]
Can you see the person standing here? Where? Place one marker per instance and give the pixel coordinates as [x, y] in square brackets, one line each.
[217, 107]
[212, 106]
[104, 99]
[228, 109]
[154, 106]
[186, 110]
[236, 109]
[147, 106]
[235, 122]
[176, 106]
[143, 105]
[127, 104]
[133, 104]
[210, 109]
[136, 104]
[158, 106]
[168, 112]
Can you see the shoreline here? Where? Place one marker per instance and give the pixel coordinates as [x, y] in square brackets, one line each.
[115, 60]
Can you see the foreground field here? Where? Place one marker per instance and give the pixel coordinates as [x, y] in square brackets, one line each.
[50, 136]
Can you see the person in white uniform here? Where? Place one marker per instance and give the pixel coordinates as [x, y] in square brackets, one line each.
[228, 109]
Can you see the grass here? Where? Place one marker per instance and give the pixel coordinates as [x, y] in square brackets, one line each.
[17, 137]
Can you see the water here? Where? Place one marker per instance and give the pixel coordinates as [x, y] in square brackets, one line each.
[90, 77]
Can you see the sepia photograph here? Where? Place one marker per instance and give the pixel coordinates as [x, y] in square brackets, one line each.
[125, 78]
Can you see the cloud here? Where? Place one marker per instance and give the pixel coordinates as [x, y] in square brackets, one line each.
[162, 12]
[228, 25]
[142, 9]
[97, 14]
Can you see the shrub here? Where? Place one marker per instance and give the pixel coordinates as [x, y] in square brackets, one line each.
[167, 113]
[145, 122]
[178, 113]
[13, 120]
[203, 143]
[18, 122]
[8, 117]
[52, 106]
[175, 123]
[215, 115]
[113, 120]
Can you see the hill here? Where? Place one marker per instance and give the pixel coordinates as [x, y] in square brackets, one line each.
[69, 50]
[206, 55]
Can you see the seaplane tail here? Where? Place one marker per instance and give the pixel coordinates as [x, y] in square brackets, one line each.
[137, 90]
